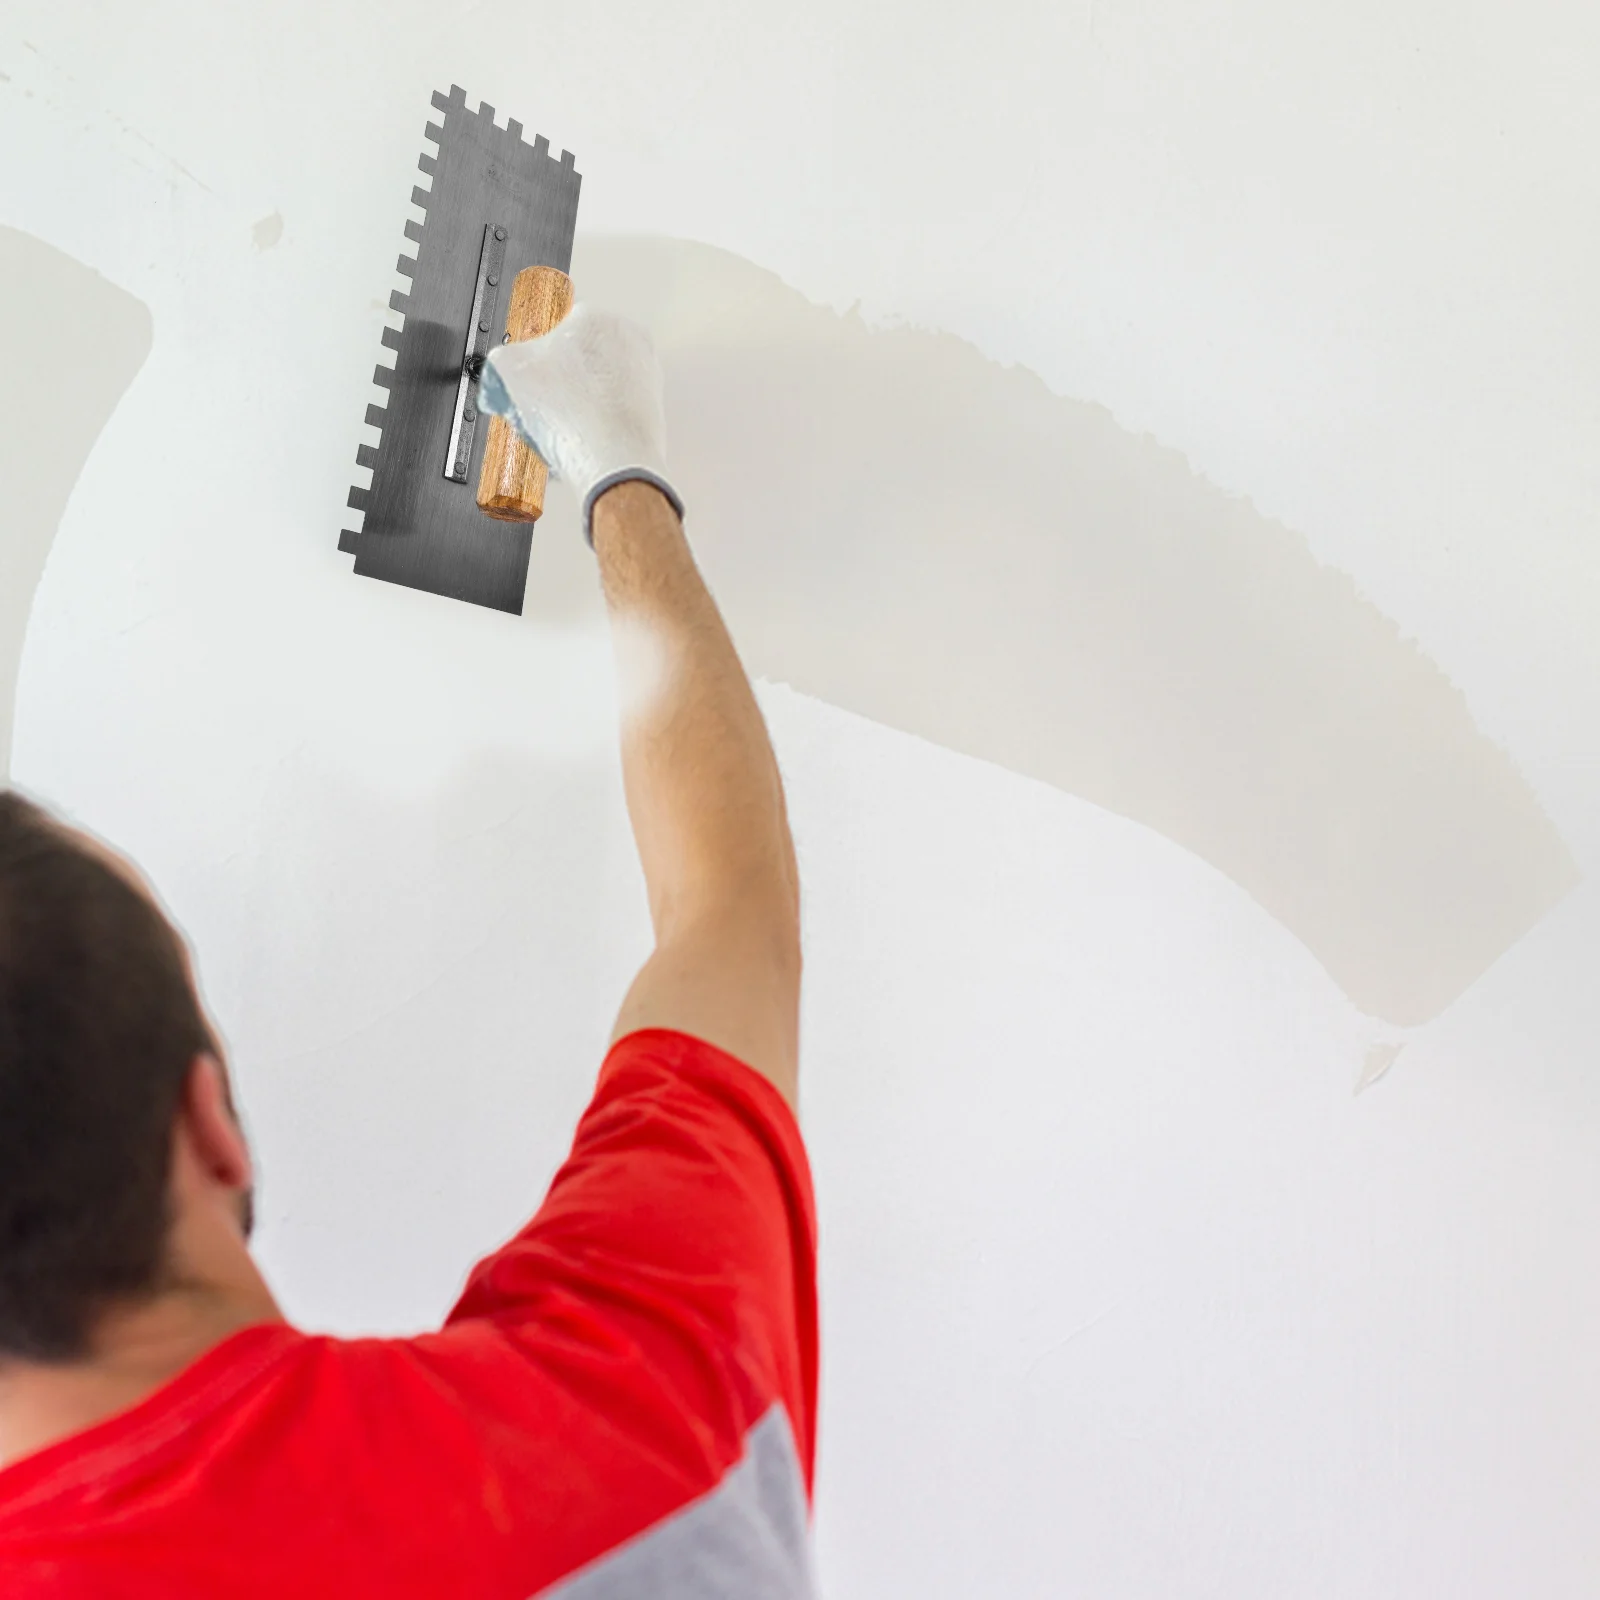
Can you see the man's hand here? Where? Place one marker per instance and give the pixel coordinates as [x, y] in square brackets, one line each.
[588, 397]
[702, 782]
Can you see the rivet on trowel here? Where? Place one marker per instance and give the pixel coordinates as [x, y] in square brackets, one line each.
[499, 233]
[494, 277]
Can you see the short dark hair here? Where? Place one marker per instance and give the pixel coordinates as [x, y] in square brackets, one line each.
[99, 1023]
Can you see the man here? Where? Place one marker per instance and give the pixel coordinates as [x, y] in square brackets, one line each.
[621, 1403]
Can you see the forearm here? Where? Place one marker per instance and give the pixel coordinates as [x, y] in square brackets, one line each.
[702, 783]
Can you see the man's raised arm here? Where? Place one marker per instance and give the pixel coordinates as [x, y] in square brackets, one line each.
[705, 798]
[702, 783]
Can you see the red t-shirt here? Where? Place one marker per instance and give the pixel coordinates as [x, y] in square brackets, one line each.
[621, 1404]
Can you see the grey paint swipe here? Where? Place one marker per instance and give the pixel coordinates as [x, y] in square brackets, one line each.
[899, 525]
[57, 316]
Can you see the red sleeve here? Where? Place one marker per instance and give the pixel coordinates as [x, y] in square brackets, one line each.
[682, 1227]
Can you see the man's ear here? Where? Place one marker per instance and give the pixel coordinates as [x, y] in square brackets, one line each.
[206, 1117]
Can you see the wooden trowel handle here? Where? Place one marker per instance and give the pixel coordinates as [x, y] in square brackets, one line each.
[511, 484]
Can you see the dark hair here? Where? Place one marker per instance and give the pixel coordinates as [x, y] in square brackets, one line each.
[98, 1026]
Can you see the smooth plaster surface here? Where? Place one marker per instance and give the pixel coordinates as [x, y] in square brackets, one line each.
[70, 344]
[911, 531]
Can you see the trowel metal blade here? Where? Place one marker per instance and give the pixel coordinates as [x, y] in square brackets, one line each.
[420, 527]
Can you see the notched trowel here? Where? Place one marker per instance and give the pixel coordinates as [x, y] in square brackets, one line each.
[454, 493]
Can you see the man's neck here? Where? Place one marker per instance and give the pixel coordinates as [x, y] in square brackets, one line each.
[136, 1351]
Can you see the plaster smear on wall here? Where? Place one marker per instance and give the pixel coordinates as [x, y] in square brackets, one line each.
[918, 534]
[70, 344]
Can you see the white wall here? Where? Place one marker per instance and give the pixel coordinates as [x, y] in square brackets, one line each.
[1125, 1292]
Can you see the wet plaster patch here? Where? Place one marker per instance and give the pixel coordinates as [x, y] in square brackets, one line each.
[70, 344]
[898, 525]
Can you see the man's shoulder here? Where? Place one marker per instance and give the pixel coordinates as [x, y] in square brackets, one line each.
[484, 1459]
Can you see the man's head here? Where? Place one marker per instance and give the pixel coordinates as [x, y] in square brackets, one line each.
[113, 1105]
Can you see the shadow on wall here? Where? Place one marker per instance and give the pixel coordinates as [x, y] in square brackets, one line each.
[900, 526]
[57, 317]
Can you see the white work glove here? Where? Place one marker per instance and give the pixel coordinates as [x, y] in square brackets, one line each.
[588, 397]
